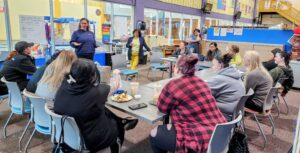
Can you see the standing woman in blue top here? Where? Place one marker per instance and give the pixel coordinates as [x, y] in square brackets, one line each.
[135, 47]
[83, 40]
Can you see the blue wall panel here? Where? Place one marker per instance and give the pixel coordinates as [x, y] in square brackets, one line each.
[255, 36]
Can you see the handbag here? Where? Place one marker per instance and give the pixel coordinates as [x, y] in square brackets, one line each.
[238, 143]
[62, 147]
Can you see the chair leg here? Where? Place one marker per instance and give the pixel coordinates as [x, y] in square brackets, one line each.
[261, 131]
[22, 136]
[277, 108]
[163, 72]
[148, 73]
[28, 143]
[272, 123]
[5, 125]
[286, 105]
[119, 144]
[243, 125]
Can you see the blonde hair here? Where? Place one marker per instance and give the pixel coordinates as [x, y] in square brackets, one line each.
[55, 72]
[255, 63]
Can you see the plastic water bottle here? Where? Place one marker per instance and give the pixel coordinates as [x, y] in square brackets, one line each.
[117, 77]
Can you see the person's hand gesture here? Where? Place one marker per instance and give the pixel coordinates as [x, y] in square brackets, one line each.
[76, 44]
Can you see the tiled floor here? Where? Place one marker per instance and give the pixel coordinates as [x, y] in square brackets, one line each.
[137, 139]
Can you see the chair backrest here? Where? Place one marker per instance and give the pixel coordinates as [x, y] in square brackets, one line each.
[240, 106]
[156, 57]
[269, 99]
[72, 135]
[221, 136]
[281, 80]
[119, 61]
[38, 113]
[15, 96]
[156, 49]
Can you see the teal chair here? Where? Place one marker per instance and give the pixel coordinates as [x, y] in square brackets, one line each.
[119, 62]
[156, 63]
[18, 105]
[39, 117]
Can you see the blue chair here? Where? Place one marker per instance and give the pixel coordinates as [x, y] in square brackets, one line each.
[156, 63]
[39, 117]
[16, 102]
[221, 136]
[72, 136]
[119, 62]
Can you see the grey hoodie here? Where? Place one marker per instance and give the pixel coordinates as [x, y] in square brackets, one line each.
[227, 88]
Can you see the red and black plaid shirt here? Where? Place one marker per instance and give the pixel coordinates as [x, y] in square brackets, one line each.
[193, 111]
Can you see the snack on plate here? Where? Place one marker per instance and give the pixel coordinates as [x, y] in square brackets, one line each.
[121, 96]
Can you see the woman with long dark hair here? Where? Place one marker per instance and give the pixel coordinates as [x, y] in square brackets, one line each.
[83, 97]
[213, 51]
[83, 40]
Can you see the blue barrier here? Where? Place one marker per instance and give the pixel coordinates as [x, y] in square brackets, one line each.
[263, 36]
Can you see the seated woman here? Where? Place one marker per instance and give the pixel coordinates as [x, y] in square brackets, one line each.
[37, 75]
[193, 110]
[227, 86]
[283, 70]
[182, 50]
[213, 51]
[236, 57]
[270, 64]
[82, 97]
[54, 74]
[258, 79]
[20, 65]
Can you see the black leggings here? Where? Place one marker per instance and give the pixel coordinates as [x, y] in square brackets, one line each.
[121, 131]
[252, 105]
[164, 141]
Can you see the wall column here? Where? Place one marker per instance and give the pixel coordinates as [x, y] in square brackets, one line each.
[138, 11]
[203, 15]
[234, 12]
[7, 24]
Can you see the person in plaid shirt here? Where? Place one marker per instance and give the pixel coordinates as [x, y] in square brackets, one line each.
[193, 110]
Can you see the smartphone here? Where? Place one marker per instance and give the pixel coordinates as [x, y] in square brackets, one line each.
[137, 106]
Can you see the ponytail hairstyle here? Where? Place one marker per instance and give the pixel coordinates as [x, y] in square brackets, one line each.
[224, 60]
[186, 64]
[286, 56]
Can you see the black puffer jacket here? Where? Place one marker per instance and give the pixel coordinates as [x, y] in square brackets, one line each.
[16, 70]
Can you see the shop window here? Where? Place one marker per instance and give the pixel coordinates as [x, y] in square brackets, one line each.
[176, 25]
[27, 20]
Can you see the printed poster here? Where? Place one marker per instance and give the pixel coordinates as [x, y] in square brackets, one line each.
[223, 32]
[229, 30]
[238, 31]
[216, 31]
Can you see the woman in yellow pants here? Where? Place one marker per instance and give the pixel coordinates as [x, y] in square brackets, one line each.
[135, 47]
